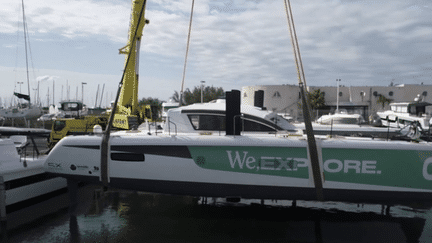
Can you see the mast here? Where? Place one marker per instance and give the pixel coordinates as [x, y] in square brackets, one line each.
[97, 94]
[38, 97]
[25, 44]
[100, 103]
[67, 89]
[48, 98]
[337, 95]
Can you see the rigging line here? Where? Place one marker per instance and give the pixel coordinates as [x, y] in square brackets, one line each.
[186, 56]
[17, 52]
[312, 147]
[296, 48]
[292, 41]
[30, 52]
[106, 136]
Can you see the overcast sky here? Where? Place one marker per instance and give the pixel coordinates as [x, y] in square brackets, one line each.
[234, 43]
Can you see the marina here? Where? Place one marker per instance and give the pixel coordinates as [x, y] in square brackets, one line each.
[223, 171]
[128, 216]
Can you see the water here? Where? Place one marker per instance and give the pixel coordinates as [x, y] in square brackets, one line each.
[127, 216]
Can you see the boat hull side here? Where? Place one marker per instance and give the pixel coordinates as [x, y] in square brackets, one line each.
[269, 168]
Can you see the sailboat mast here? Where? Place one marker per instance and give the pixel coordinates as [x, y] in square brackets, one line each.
[97, 94]
[25, 44]
[100, 102]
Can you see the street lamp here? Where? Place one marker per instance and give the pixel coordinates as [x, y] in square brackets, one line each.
[337, 95]
[202, 85]
[82, 92]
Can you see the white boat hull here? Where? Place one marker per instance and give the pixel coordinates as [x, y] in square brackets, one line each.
[251, 167]
[26, 185]
[21, 113]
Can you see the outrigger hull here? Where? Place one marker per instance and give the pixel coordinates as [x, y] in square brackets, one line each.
[264, 167]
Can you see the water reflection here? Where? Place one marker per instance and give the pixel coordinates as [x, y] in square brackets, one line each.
[126, 216]
[161, 218]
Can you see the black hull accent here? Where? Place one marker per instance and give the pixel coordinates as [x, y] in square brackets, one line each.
[35, 200]
[28, 180]
[261, 192]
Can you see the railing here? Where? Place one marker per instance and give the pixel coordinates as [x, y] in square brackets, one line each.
[169, 128]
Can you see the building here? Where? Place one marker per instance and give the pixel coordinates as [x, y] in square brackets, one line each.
[355, 99]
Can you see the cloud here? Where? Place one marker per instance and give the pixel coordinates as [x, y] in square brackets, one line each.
[244, 42]
[9, 45]
[69, 18]
[44, 78]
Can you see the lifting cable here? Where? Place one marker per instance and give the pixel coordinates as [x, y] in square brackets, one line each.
[313, 151]
[186, 56]
[106, 136]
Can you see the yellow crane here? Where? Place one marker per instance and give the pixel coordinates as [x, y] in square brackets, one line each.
[128, 114]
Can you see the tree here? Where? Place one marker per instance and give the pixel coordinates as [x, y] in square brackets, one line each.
[316, 99]
[383, 100]
[191, 97]
[155, 102]
[176, 96]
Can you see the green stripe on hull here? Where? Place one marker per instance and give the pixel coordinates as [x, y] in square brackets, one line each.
[290, 162]
[379, 167]
[400, 168]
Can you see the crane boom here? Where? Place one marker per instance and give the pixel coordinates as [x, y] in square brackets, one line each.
[127, 112]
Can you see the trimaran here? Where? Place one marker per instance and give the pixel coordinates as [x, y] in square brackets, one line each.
[256, 166]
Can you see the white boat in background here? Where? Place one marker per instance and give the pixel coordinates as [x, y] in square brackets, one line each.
[67, 109]
[72, 109]
[53, 113]
[208, 118]
[168, 105]
[341, 117]
[406, 113]
[23, 110]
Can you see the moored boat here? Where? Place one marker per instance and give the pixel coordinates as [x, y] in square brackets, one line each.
[406, 113]
[209, 118]
[25, 180]
[341, 117]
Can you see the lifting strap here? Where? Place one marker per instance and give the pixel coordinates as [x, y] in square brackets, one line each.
[313, 151]
[186, 56]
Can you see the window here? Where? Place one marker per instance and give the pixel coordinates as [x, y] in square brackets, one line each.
[59, 125]
[276, 95]
[244, 95]
[251, 126]
[217, 123]
[340, 94]
[391, 93]
[207, 122]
